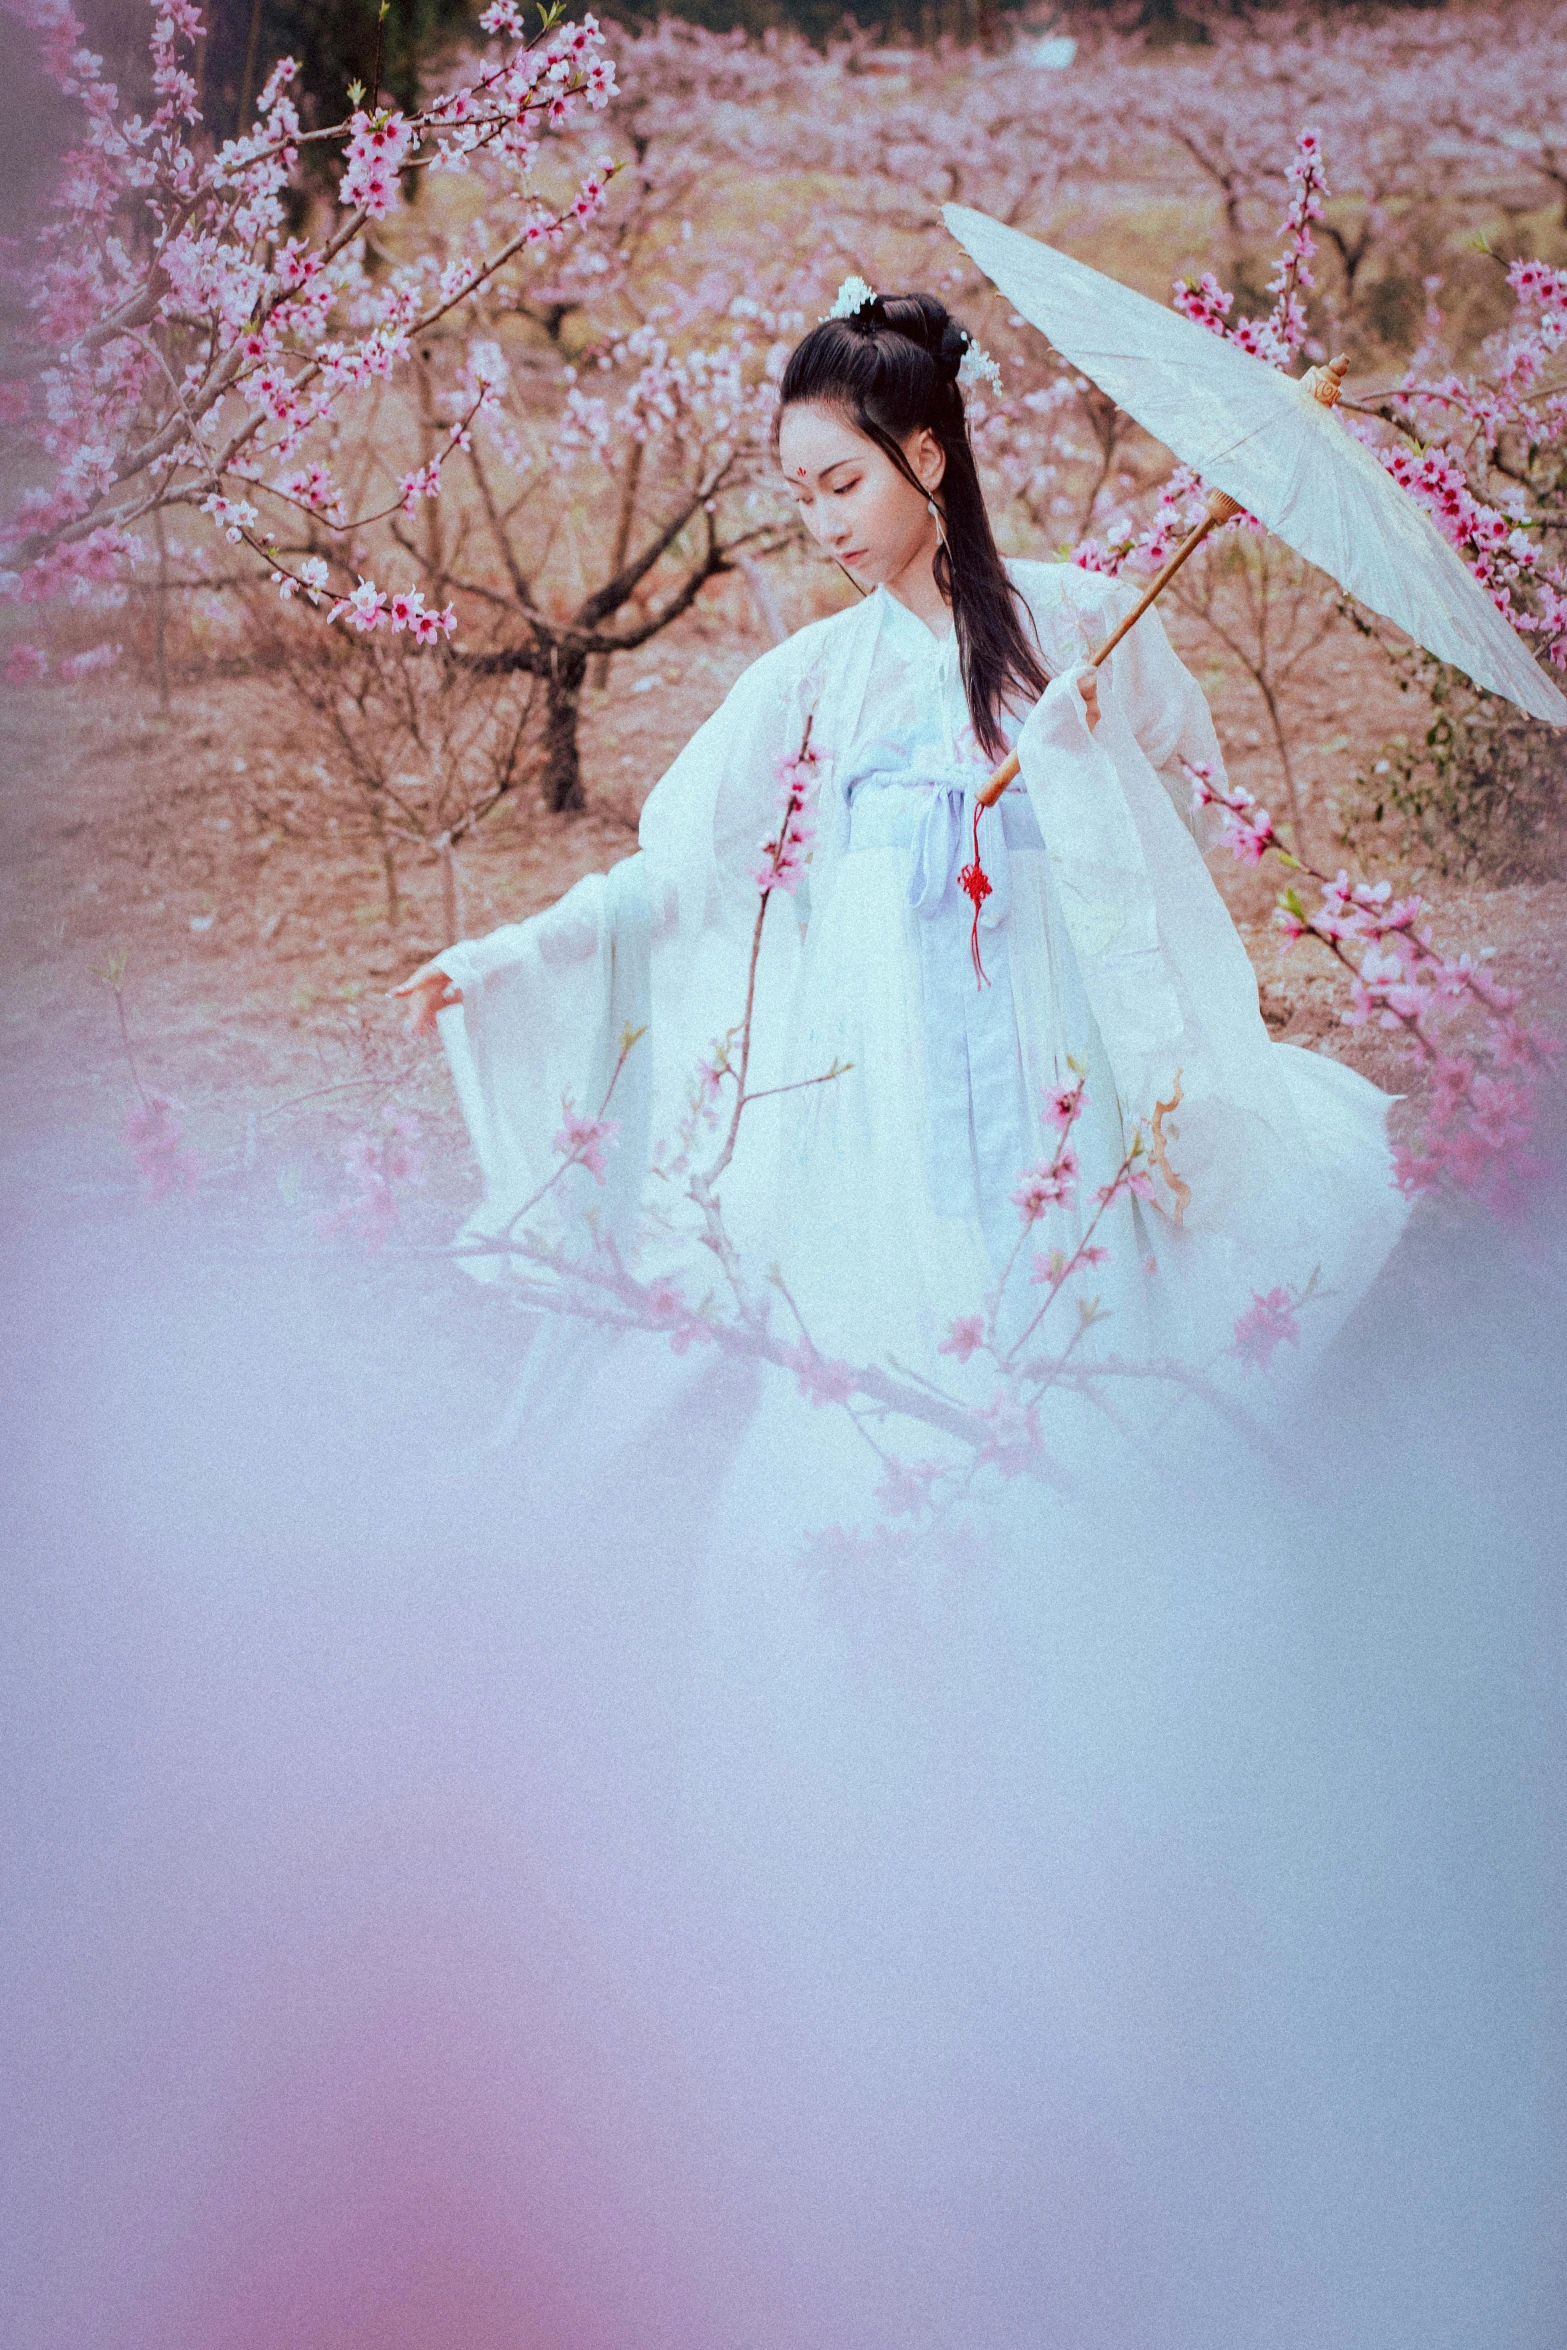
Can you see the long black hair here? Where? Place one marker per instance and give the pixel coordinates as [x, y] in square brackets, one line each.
[892, 367]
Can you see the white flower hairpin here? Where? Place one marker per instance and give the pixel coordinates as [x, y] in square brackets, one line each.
[978, 368]
[853, 296]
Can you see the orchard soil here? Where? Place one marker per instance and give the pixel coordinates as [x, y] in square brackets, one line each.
[256, 967]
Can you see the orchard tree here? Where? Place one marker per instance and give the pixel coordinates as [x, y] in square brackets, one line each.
[606, 513]
[189, 351]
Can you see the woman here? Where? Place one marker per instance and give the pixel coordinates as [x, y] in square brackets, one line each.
[911, 1030]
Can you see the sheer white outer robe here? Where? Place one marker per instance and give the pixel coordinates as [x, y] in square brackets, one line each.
[1116, 947]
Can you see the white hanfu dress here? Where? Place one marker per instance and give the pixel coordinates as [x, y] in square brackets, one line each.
[883, 1196]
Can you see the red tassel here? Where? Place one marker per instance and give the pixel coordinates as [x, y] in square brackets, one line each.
[975, 883]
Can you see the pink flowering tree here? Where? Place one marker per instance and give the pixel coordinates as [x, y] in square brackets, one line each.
[582, 448]
[1483, 447]
[1485, 452]
[1269, 610]
[599, 510]
[1477, 1060]
[189, 351]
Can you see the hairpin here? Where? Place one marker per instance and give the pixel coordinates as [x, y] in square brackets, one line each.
[978, 367]
[853, 295]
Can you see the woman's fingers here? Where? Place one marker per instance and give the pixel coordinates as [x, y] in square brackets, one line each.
[417, 979]
[1088, 687]
[429, 992]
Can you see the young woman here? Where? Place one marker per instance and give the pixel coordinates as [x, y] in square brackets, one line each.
[884, 1193]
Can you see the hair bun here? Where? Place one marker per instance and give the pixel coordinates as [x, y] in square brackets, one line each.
[948, 353]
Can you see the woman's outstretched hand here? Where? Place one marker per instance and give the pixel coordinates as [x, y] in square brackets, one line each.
[1088, 687]
[429, 991]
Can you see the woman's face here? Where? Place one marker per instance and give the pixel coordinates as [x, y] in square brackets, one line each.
[852, 498]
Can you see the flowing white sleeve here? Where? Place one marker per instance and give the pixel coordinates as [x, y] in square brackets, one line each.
[1167, 710]
[1164, 706]
[546, 1005]
[655, 945]
[1284, 1152]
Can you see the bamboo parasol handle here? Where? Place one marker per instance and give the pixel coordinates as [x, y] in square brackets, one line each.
[1220, 510]
[1325, 384]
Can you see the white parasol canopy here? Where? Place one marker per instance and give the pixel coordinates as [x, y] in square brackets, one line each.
[1262, 438]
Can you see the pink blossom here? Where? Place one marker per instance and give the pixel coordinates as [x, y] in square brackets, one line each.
[1011, 1442]
[1047, 1185]
[25, 665]
[376, 1165]
[313, 486]
[426, 483]
[1053, 1267]
[1268, 1322]
[905, 1490]
[429, 627]
[966, 1334]
[784, 855]
[234, 516]
[664, 1308]
[581, 1141]
[824, 1380]
[364, 610]
[376, 153]
[1064, 1103]
[1131, 1178]
[77, 665]
[155, 1139]
[1206, 303]
[1245, 829]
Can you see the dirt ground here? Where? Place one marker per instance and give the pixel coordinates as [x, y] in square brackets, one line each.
[256, 966]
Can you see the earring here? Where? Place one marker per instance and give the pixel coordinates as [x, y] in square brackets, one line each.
[934, 511]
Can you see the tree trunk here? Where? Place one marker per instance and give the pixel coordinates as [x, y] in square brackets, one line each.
[388, 853]
[1166, 23]
[247, 84]
[451, 892]
[563, 703]
[160, 613]
[763, 600]
[623, 523]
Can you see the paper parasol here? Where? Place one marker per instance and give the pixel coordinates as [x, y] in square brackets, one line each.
[1262, 438]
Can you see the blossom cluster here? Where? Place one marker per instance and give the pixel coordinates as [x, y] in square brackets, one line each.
[713, 392]
[1268, 1323]
[1277, 339]
[1482, 452]
[1480, 1109]
[155, 1139]
[785, 853]
[1245, 829]
[369, 608]
[582, 1141]
[191, 348]
[377, 1164]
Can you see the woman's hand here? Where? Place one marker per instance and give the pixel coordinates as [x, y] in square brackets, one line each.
[429, 992]
[1088, 687]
